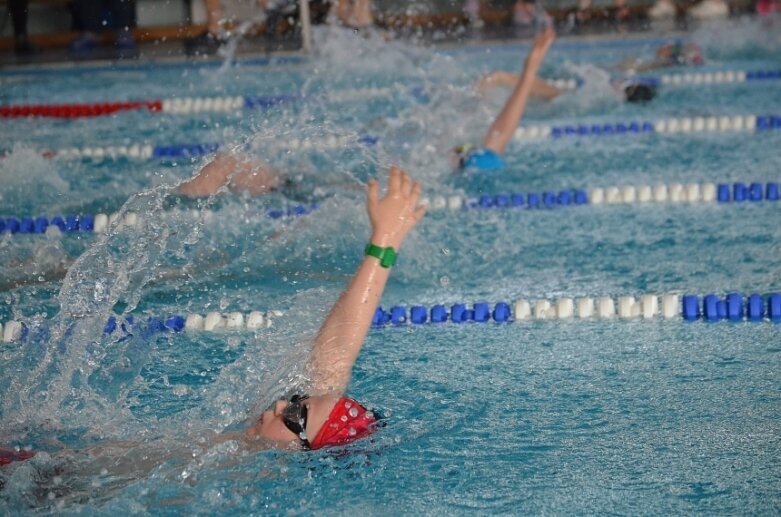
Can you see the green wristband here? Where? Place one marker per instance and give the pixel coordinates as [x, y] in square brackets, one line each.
[387, 255]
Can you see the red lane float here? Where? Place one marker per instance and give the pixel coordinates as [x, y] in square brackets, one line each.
[96, 109]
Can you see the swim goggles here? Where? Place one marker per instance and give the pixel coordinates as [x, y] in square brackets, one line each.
[294, 417]
[462, 151]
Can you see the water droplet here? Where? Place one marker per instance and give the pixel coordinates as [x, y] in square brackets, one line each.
[344, 418]
[446, 251]
[444, 281]
[348, 405]
[352, 431]
[353, 412]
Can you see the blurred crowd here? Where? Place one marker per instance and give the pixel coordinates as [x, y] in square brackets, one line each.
[112, 22]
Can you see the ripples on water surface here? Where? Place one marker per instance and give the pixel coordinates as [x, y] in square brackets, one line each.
[542, 417]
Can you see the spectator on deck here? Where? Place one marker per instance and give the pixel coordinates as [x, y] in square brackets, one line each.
[92, 17]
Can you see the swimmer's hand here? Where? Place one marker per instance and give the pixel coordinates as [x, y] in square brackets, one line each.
[542, 43]
[393, 216]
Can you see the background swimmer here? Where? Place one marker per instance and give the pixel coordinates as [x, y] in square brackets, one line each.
[673, 54]
[239, 173]
[633, 90]
[488, 157]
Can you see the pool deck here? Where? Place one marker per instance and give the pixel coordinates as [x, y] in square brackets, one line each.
[258, 50]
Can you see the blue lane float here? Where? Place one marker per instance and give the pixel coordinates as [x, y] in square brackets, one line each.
[690, 307]
[99, 222]
[723, 193]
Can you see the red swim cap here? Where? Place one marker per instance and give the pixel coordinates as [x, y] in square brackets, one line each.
[10, 455]
[347, 422]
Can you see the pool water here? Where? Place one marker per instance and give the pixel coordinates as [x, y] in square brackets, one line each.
[564, 417]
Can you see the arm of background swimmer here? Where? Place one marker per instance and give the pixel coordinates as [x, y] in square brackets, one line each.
[213, 176]
[341, 337]
[503, 128]
[540, 87]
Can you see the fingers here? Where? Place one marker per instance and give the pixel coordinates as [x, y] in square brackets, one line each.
[406, 184]
[415, 194]
[372, 192]
[418, 214]
[394, 182]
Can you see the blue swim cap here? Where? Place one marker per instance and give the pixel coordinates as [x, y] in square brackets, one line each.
[484, 160]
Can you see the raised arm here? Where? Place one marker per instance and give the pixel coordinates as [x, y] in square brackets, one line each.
[341, 337]
[503, 128]
[540, 87]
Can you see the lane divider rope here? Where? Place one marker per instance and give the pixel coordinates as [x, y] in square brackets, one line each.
[128, 325]
[674, 193]
[737, 192]
[188, 105]
[712, 124]
[733, 306]
[100, 223]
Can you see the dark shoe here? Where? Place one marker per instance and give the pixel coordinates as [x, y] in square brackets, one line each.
[204, 45]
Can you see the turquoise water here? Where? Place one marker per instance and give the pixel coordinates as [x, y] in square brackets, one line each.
[641, 417]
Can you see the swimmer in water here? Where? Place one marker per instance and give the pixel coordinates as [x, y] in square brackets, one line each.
[633, 90]
[488, 157]
[323, 416]
[672, 54]
[237, 172]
